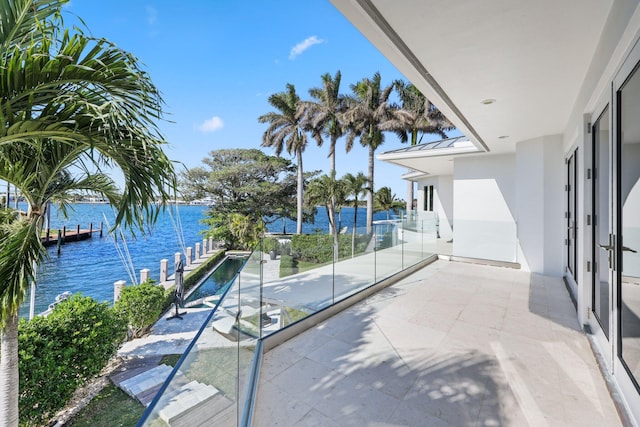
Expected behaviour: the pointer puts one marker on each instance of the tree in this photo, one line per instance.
(356, 186)
(325, 190)
(244, 185)
(73, 109)
(422, 118)
(324, 114)
(387, 201)
(287, 131)
(368, 116)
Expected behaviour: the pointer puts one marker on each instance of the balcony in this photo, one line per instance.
(447, 344)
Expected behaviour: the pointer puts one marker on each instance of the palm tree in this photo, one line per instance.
(72, 108)
(287, 131)
(387, 201)
(354, 186)
(368, 116)
(325, 190)
(423, 117)
(324, 115)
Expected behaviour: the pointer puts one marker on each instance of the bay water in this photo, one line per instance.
(92, 266)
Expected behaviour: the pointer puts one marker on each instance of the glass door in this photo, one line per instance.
(602, 276)
(572, 234)
(627, 221)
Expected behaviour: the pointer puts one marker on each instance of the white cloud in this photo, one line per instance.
(211, 125)
(152, 15)
(304, 45)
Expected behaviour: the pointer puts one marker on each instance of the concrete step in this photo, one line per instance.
(144, 381)
(191, 405)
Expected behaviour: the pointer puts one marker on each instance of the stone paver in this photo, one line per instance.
(452, 345)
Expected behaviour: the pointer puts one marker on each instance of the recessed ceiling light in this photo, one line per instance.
(487, 101)
(503, 137)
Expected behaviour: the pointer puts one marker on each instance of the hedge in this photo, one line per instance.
(140, 306)
(318, 248)
(60, 352)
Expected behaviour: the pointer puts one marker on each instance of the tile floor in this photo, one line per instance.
(453, 345)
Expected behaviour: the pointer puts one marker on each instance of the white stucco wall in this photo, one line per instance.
(484, 201)
(540, 204)
(442, 202)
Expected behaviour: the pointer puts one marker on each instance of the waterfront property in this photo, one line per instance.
(548, 97)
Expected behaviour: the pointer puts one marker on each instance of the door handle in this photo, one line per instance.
(607, 247)
(626, 249)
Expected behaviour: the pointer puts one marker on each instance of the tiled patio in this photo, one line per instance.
(453, 345)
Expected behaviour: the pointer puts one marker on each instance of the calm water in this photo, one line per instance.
(92, 266)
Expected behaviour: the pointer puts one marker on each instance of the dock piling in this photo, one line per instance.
(117, 289)
(189, 256)
(144, 275)
(164, 267)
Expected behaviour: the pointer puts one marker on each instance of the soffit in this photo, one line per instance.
(530, 56)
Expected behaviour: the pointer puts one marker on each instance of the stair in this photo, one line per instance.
(193, 404)
(140, 383)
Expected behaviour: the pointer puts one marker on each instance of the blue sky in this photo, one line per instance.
(217, 62)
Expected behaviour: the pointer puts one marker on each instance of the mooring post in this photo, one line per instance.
(210, 243)
(117, 289)
(177, 257)
(64, 232)
(100, 229)
(164, 267)
(78, 232)
(59, 242)
(144, 275)
(204, 247)
(189, 255)
(48, 235)
(91, 229)
(197, 251)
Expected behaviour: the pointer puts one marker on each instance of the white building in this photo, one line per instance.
(548, 95)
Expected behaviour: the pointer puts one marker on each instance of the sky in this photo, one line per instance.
(217, 61)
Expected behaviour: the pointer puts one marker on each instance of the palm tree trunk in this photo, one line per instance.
(300, 194)
(332, 158)
(332, 155)
(409, 196)
(370, 191)
(9, 372)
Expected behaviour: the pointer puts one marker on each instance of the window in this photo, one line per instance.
(428, 198)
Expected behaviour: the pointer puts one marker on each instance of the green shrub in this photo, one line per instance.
(287, 261)
(59, 352)
(270, 244)
(318, 248)
(140, 306)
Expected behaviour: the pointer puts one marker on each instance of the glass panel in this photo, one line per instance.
(412, 240)
(388, 238)
(602, 217)
(355, 269)
(205, 386)
(571, 217)
(629, 227)
(299, 281)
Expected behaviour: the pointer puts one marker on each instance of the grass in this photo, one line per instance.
(111, 407)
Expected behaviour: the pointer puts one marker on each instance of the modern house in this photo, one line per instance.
(548, 95)
(545, 180)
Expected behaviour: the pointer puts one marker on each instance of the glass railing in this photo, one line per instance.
(286, 279)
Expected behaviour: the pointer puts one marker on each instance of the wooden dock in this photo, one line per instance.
(59, 237)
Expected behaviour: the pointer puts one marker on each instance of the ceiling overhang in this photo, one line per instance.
(502, 71)
(432, 158)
